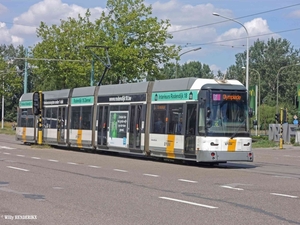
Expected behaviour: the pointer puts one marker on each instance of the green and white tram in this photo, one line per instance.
(202, 120)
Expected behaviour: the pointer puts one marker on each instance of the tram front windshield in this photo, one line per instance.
(227, 113)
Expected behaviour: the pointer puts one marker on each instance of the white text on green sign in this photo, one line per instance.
(82, 100)
(175, 96)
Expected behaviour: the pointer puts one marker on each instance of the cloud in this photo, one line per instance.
(183, 17)
(7, 38)
(50, 12)
(237, 36)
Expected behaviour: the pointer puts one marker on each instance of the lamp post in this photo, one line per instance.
(192, 50)
(2, 109)
(247, 56)
(277, 79)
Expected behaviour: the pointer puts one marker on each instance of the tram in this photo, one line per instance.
(201, 120)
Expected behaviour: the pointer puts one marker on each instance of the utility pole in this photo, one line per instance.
(25, 74)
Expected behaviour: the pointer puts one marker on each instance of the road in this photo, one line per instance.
(55, 186)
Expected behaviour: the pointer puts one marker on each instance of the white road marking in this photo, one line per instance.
(52, 160)
(5, 147)
(150, 175)
(283, 195)
(189, 181)
(124, 171)
(191, 203)
(72, 163)
(94, 166)
(6, 153)
(57, 188)
(285, 177)
(35, 158)
(238, 189)
(16, 168)
(21, 155)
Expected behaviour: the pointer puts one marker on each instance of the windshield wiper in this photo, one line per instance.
(232, 136)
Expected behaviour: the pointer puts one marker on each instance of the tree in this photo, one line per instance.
(195, 69)
(266, 61)
(11, 86)
(136, 41)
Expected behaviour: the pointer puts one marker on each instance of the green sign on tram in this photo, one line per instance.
(174, 96)
(82, 100)
(25, 104)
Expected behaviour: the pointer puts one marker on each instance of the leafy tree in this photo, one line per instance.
(195, 69)
(136, 41)
(11, 86)
(275, 57)
(167, 72)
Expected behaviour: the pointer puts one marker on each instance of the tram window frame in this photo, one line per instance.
(30, 118)
(86, 117)
(158, 111)
(75, 117)
(172, 121)
(191, 119)
(54, 116)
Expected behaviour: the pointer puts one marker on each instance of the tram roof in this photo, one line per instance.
(58, 94)
(118, 89)
(174, 84)
(83, 91)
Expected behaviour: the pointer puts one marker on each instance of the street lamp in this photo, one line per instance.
(277, 78)
(2, 109)
(192, 50)
(247, 56)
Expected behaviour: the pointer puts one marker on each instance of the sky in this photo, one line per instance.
(193, 24)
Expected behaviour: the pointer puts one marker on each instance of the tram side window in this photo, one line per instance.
(86, 117)
(191, 119)
(22, 120)
(158, 119)
(47, 118)
(26, 118)
(75, 117)
(175, 119)
(53, 118)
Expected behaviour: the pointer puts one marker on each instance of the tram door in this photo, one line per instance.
(102, 125)
(61, 119)
(135, 126)
(190, 135)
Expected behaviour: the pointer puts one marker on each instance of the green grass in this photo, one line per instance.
(7, 129)
(262, 143)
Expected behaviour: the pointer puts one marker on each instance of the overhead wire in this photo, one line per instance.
(255, 14)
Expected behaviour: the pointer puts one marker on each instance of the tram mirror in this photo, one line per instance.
(250, 112)
(208, 123)
(208, 112)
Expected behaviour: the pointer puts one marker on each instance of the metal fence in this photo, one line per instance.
(289, 131)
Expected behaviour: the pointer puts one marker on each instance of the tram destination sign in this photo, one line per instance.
(174, 96)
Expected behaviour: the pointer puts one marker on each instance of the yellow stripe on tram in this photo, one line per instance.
(231, 145)
(24, 134)
(79, 138)
(170, 146)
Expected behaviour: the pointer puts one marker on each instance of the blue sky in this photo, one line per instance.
(219, 42)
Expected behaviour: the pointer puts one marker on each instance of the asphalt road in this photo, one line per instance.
(55, 186)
